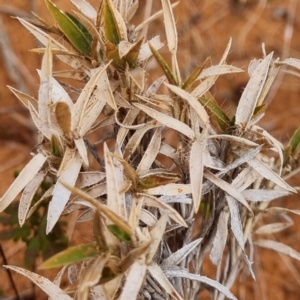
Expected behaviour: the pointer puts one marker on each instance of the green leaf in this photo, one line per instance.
(81, 27)
(220, 115)
(32, 252)
(71, 255)
(259, 110)
(21, 233)
(107, 275)
(119, 233)
(70, 29)
(133, 54)
(164, 66)
(55, 145)
(110, 26)
(193, 77)
(295, 141)
(113, 53)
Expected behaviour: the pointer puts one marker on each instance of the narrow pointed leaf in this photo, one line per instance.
(252, 92)
(259, 195)
(153, 17)
(156, 236)
(61, 195)
(279, 210)
(43, 283)
(145, 52)
(150, 153)
(196, 171)
(133, 256)
(86, 8)
(171, 189)
(25, 176)
(27, 196)
(42, 126)
(129, 119)
(273, 228)
(220, 239)
(113, 197)
(136, 138)
(237, 229)
(134, 281)
(88, 36)
(58, 92)
(177, 257)
(80, 145)
(269, 174)
(46, 195)
(272, 74)
(119, 233)
(44, 39)
(236, 139)
(71, 255)
(170, 26)
(193, 76)
(85, 100)
(294, 141)
(114, 26)
(93, 107)
(229, 189)
(45, 89)
(116, 219)
(235, 221)
(183, 273)
(219, 70)
(155, 202)
(220, 115)
(89, 178)
(69, 28)
(157, 273)
(164, 65)
(167, 120)
(91, 275)
(278, 247)
(25, 99)
(193, 102)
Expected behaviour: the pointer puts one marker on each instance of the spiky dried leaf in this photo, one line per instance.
(160, 277)
(220, 238)
(252, 92)
(167, 120)
(177, 257)
(150, 153)
(278, 247)
(46, 285)
(86, 8)
(60, 194)
(28, 194)
(196, 170)
(25, 176)
(134, 281)
(215, 284)
(273, 228)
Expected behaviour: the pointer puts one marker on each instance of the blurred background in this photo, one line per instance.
(204, 29)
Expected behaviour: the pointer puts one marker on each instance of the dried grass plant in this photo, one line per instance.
(144, 199)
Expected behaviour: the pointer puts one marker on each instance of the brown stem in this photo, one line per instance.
(9, 273)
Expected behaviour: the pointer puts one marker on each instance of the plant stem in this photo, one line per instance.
(9, 274)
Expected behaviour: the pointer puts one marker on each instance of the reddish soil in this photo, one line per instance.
(204, 30)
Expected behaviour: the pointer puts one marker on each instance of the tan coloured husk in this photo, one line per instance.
(142, 207)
